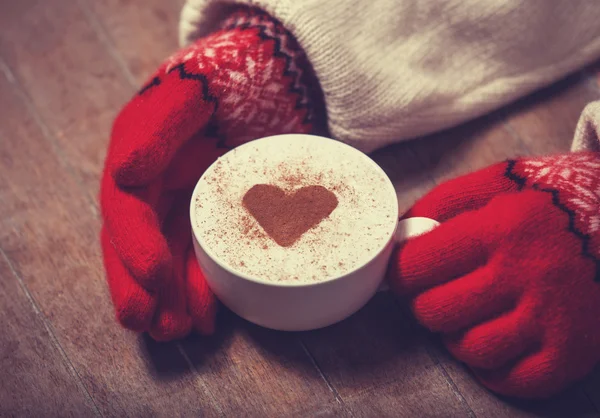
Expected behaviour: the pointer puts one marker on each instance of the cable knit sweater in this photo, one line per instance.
(392, 70)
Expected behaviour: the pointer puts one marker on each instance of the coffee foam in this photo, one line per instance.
(356, 231)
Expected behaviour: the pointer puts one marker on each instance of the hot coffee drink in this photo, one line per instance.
(294, 209)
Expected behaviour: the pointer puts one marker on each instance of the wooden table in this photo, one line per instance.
(66, 67)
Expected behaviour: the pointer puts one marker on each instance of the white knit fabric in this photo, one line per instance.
(392, 70)
(587, 133)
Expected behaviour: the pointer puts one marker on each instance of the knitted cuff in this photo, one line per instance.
(305, 84)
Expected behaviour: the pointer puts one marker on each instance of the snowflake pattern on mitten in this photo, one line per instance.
(258, 104)
(574, 181)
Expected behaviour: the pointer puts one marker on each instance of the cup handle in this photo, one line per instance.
(409, 228)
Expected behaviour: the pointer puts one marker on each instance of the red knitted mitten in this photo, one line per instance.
(240, 83)
(511, 277)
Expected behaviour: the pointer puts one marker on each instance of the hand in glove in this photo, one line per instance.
(511, 277)
(242, 82)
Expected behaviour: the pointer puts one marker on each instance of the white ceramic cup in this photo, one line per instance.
(301, 306)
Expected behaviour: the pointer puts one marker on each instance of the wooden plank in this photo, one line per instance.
(36, 380)
(546, 120)
(379, 366)
(572, 402)
(260, 372)
(469, 147)
(66, 71)
(142, 35)
(49, 232)
(591, 387)
(409, 175)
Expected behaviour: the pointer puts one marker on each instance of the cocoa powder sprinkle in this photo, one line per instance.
(286, 217)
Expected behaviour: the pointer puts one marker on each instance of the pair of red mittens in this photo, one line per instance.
(511, 277)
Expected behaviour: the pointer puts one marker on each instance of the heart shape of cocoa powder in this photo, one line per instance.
(286, 217)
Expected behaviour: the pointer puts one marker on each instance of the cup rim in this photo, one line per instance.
(232, 271)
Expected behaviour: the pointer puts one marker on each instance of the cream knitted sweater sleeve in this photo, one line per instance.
(392, 70)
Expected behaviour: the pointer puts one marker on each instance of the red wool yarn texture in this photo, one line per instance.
(245, 81)
(511, 277)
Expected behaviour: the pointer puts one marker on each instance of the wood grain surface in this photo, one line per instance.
(66, 68)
